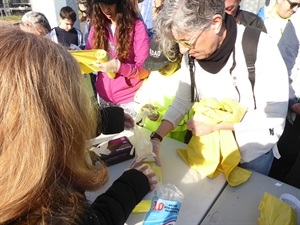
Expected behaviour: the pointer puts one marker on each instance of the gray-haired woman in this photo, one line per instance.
(211, 42)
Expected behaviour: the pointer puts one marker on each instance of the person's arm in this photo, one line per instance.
(115, 205)
(179, 107)
(289, 48)
(182, 101)
(80, 37)
(200, 128)
(141, 45)
(164, 128)
(260, 128)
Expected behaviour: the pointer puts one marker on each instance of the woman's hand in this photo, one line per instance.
(151, 111)
(146, 169)
(156, 150)
(200, 128)
(110, 66)
(296, 108)
(128, 121)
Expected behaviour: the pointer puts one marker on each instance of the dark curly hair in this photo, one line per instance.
(126, 16)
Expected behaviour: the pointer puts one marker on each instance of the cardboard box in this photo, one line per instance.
(119, 150)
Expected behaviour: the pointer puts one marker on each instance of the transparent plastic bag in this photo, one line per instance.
(143, 146)
(165, 205)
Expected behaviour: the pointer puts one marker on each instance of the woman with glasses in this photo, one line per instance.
(276, 16)
(84, 8)
(214, 67)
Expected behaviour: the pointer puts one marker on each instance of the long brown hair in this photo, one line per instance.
(126, 16)
(45, 120)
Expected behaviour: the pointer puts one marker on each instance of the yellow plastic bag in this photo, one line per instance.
(87, 58)
(273, 211)
(218, 151)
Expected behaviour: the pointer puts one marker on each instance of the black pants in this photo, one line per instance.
(286, 168)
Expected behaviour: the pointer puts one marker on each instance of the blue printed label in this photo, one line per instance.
(162, 212)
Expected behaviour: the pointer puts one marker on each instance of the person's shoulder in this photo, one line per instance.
(54, 30)
(139, 22)
(78, 31)
(251, 14)
(140, 26)
(263, 39)
(247, 18)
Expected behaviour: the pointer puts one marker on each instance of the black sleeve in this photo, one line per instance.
(115, 205)
(111, 120)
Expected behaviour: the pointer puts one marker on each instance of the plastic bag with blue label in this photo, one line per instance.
(165, 206)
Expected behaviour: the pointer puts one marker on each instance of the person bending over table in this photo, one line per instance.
(211, 42)
(46, 120)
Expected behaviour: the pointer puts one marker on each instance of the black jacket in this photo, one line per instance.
(115, 205)
(250, 19)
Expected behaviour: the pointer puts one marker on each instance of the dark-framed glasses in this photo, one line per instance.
(189, 44)
(293, 4)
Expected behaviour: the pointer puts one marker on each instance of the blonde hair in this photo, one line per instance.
(45, 120)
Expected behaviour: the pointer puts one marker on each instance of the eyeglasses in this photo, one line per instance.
(82, 11)
(189, 44)
(293, 4)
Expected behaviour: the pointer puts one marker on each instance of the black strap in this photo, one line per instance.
(194, 94)
(249, 43)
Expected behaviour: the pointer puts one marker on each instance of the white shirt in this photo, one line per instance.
(260, 129)
(146, 12)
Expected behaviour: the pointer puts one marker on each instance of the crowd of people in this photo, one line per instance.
(195, 47)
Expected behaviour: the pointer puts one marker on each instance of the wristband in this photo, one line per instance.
(156, 135)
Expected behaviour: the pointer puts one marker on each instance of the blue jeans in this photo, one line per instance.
(261, 164)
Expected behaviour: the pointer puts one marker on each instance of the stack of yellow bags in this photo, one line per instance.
(218, 151)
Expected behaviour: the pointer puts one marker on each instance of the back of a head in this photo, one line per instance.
(67, 13)
(35, 22)
(45, 120)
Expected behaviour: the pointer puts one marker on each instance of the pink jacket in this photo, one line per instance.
(130, 76)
